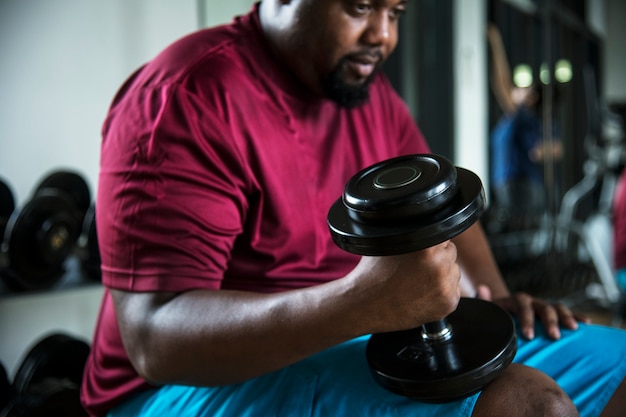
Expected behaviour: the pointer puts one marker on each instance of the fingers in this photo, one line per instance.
(412, 288)
(552, 316)
(525, 314)
(483, 292)
(567, 318)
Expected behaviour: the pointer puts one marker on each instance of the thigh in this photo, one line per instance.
(588, 364)
(334, 382)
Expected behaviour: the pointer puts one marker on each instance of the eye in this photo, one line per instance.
(396, 12)
(361, 7)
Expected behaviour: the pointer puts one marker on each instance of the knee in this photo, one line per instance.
(523, 391)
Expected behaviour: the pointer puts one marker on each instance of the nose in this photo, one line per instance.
(378, 29)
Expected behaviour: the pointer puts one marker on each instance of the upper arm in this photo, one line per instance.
(501, 78)
(135, 314)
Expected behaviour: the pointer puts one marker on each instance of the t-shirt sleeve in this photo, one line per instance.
(170, 194)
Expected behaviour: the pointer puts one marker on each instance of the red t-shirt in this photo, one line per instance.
(217, 171)
(619, 224)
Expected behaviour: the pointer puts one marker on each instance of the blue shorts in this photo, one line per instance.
(337, 382)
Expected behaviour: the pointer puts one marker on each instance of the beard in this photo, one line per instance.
(344, 94)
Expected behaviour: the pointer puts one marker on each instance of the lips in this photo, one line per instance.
(363, 65)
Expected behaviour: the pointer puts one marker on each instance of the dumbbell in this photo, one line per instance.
(72, 185)
(53, 356)
(6, 391)
(89, 251)
(48, 380)
(7, 205)
(40, 236)
(77, 189)
(407, 204)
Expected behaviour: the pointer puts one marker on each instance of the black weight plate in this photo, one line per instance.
(482, 345)
(398, 188)
(409, 235)
(40, 236)
(5, 387)
(58, 356)
(7, 205)
(71, 183)
(91, 260)
(48, 398)
(7, 202)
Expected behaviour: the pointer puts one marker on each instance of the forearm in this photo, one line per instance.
(224, 337)
(501, 73)
(477, 262)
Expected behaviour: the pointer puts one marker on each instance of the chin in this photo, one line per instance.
(347, 95)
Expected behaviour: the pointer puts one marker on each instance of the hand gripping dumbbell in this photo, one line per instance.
(407, 204)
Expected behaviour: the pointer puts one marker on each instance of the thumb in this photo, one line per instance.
(483, 293)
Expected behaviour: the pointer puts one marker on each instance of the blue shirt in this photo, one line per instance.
(512, 139)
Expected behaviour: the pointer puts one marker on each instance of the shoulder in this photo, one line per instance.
(203, 56)
(208, 64)
(208, 55)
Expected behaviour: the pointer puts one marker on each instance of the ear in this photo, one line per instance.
(277, 13)
(275, 5)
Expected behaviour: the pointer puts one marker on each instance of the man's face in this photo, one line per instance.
(336, 46)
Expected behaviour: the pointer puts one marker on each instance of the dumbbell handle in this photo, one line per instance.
(437, 331)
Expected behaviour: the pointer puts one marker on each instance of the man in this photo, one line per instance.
(225, 293)
(517, 148)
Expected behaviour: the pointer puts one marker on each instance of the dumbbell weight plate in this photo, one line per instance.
(483, 345)
(399, 188)
(48, 380)
(7, 202)
(6, 392)
(7, 206)
(71, 183)
(55, 356)
(39, 238)
(91, 257)
(410, 234)
(51, 397)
